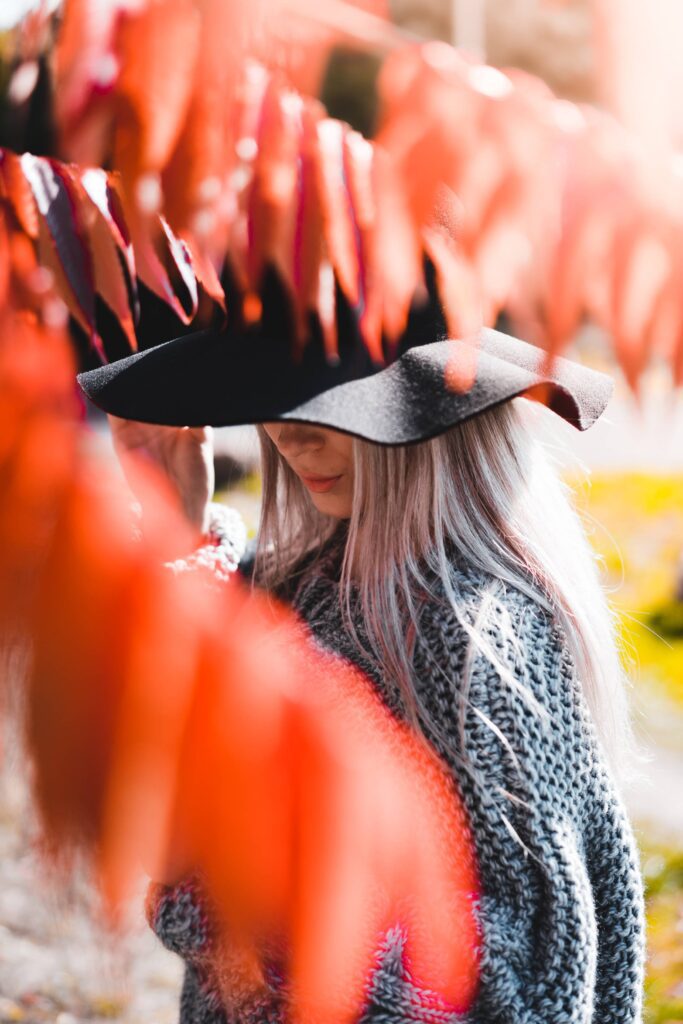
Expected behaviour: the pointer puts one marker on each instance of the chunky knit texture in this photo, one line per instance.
(561, 908)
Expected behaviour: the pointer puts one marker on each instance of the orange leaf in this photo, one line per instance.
(157, 47)
(310, 272)
(62, 244)
(642, 267)
(16, 190)
(204, 270)
(273, 194)
(85, 70)
(111, 261)
(359, 171)
(164, 264)
(337, 215)
(203, 157)
(398, 250)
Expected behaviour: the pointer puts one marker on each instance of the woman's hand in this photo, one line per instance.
(184, 453)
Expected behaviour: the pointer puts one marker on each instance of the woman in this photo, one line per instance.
(453, 571)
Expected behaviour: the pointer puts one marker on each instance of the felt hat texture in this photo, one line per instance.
(250, 373)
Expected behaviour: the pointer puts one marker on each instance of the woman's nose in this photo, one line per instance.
(293, 439)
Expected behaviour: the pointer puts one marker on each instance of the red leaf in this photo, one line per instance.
(359, 174)
(309, 249)
(62, 244)
(338, 224)
(85, 72)
(273, 194)
(203, 157)
(115, 284)
(641, 269)
(203, 269)
(157, 46)
(164, 265)
(16, 190)
(398, 249)
(37, 410)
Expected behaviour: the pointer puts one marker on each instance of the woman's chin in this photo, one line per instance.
(336, 505)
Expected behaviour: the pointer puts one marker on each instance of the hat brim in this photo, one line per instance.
(218, 379)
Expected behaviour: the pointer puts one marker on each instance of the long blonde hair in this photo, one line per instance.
(487, 489)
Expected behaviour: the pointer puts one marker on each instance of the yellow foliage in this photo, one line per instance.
(635, 524)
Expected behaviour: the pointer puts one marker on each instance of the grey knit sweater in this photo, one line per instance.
(561, 907)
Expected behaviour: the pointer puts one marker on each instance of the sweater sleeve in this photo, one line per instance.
(561, 905)
(613, 867)
(222, 548)
(184, 920)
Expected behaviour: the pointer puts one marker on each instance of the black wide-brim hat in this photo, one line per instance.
(246, 373)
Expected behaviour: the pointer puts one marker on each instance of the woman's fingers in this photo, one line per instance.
(185, 454)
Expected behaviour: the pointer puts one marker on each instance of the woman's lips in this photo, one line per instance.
(320, 484)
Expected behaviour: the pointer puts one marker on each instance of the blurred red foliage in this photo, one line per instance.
(176, 723)
(147, 688)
